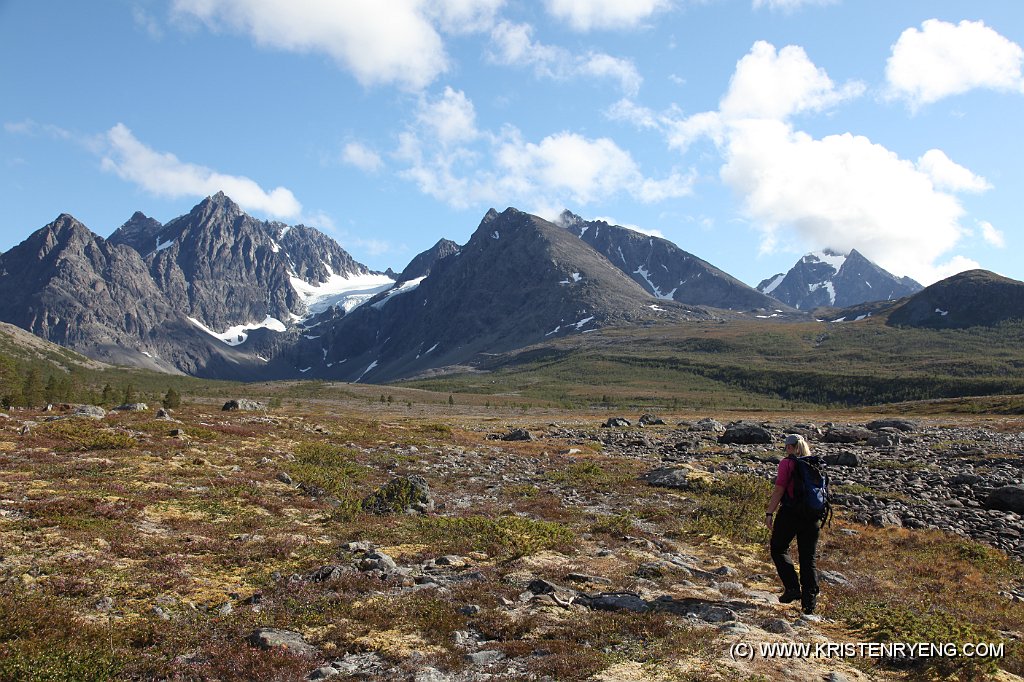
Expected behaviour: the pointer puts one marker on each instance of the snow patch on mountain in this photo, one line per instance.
(771, 286)
(403, 288)
(348, 292)
(238, 334)
(829, 257)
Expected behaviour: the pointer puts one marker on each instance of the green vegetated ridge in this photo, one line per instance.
(756, 364)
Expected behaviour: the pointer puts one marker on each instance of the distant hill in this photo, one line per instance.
(968, 299)
(829, 278)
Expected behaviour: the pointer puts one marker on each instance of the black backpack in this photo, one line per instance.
(812, 494)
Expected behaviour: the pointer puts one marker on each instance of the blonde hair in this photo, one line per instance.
(801, 444)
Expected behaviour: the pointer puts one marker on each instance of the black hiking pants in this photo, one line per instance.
(790, 524)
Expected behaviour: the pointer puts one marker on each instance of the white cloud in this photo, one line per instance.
(583, 169)
(464, 16)
(585, 15)
(163, 174)
(501, 168)
(452, 118)
(946, 174)
(840, 191)
(362, 157)
(32, 128)
(944, 59)
(951, 267)
(789, 5)
(991, 235)
(630, 226)
(378, 42)
(770, 84)
(513, 45)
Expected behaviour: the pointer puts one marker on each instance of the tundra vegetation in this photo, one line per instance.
(141, 547)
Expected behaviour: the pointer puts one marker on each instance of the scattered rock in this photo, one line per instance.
(517, 435)
(651, 420)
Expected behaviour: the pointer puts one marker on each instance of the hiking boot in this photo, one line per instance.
(809, 603)
(789, 596)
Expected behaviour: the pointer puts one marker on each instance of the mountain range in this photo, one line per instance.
(220, 294)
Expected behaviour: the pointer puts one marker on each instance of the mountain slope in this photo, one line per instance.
(518, 280)
(663, 269)
(829, 278)
(968, 299)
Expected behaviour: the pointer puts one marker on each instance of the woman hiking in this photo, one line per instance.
(786, 520)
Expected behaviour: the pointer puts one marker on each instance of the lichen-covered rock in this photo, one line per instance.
(406, 494)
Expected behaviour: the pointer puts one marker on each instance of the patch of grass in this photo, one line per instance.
(331, 468)
(504, 538)
(85, 434)
(42, 639)
(931, 587)
(731, 507)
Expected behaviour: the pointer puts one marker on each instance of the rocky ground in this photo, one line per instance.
(392, 542)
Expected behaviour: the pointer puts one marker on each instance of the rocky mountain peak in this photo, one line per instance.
(140, 232)
(423, 263)
(830, 277)
(663, 269)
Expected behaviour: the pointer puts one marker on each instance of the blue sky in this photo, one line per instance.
(748, 132)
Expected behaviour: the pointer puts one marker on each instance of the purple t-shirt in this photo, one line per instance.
(785, 475)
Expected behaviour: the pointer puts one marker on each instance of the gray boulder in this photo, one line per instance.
(670, 477)
(898, 424)
(1007, 498)
(89, 412)
(651, 420)
(708, 424)
(132, 407)
(615, 422)
(243, 405)
(276, 638)
(517, 435)
(742, 433)
(843, 459)
(847, 434)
